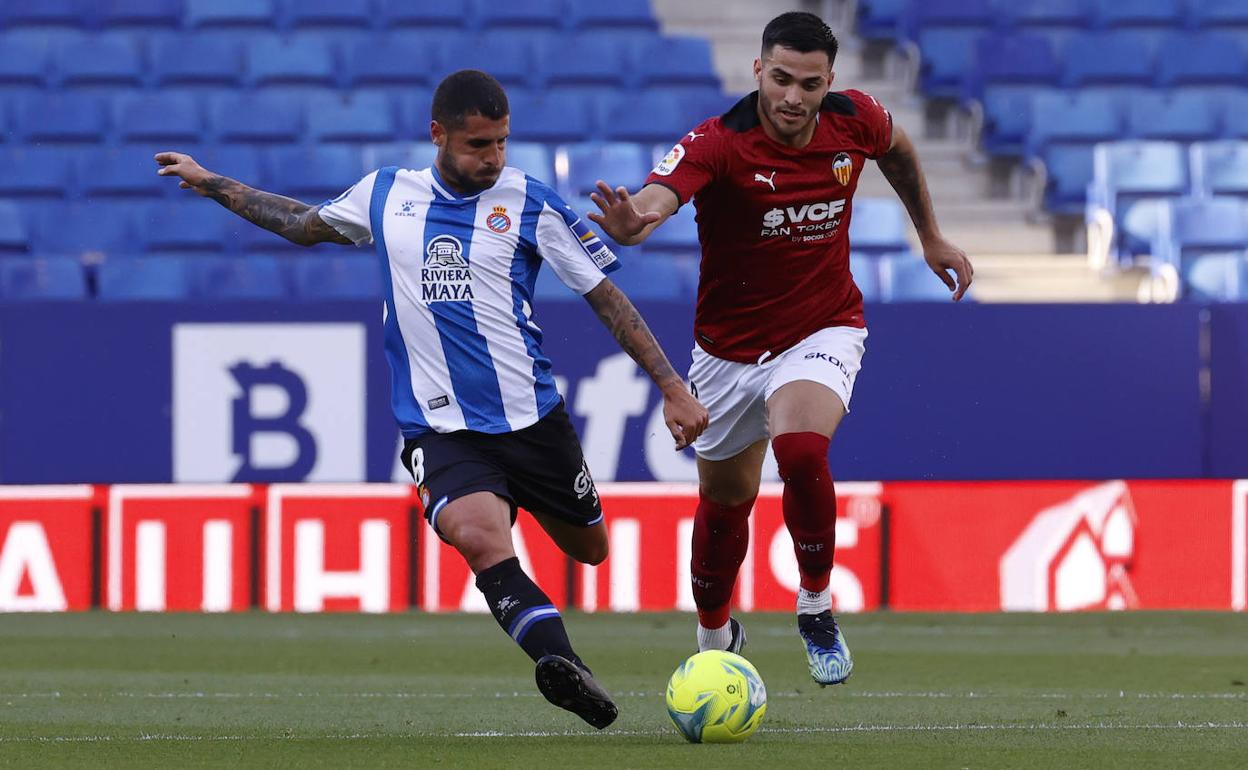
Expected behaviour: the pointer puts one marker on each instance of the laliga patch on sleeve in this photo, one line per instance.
(670, 161)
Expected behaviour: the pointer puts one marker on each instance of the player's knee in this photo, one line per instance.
(730, 495)
(480, 545)
(801, 455)
(594, 554)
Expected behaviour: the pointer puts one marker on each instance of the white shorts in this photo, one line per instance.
(736, 394)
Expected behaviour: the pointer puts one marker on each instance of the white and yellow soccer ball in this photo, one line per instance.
(716, 697)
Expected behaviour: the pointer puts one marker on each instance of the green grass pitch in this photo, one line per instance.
(959, 691)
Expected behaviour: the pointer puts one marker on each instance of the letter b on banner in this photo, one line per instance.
(249, 425)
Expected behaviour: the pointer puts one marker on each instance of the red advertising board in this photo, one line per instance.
(181, 547)
(46, 562)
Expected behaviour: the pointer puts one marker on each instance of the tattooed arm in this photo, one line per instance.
(295, 221)
(685, 417)
(901, 168)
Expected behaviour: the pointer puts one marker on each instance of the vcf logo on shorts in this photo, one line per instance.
(268, 402)
(736, 394)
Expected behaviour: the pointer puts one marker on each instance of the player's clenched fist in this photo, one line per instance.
(685, 416)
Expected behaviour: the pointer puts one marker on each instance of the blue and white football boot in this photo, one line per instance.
(826, 652)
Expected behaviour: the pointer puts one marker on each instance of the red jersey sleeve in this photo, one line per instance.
(694, 162)
(877, 123)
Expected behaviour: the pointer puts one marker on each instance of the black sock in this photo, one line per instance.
(524, 611)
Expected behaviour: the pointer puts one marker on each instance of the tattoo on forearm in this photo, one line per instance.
(901, 169)
(630, 330)
(293, 220)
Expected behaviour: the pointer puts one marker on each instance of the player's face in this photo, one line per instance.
(471, 157)
(791, 86)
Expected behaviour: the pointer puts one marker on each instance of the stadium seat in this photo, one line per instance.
(240, 117)
(60, 118)
(1177, 115)
(42, 279)
(1216, 277)
(878, 226)
(616, 163)
(139, 15)
(1075, 118)
(425, 15)
(1014, 60)
(156, 279)
(1047, 15)
(390, 60)
(253, 277)
(120, 172)
(235, 15)
(14, 238)
(946, 59)
(363, 118)
(412, 155)
(89, 231)
(645, 277)
(235, 161)
(881, 19)
(1007, 115)
(192, 60)
(333, 14)
(1202, 225)
(617, 14)
(907, 278)
(44, 13)
(601, 59)
(23, 61)
(31, 171)
(533, 158)
(1139, 13)
(866, 272)
(525, 15)
(1126, 178)
(1220, 168)
(290, 62)
(1215, 14)
(159, 117)
(651, 117)
(325, 277)
(1206, 59)
(1107, 59)
(98, 60)
(678, 235)
(552, 117)
(508, 58)
(952, 13)
(316, 174)
(1068, 170)
(1235, 115)
(677, 61)
(187, 226)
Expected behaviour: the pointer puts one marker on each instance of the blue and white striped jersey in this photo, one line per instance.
(458, 273)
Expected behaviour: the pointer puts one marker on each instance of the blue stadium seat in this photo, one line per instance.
(878, 226)
(866, 272)
(425, 15)
(413, 155)
(235, 161)
(650, 117)
(616, 163)
(90, 231)
(290, 62)
(390, 60)
(946, 59)
(23, 60)
(677, 61)
(60, 118)
(255, 277)
(1215, 14)
(1047, 15)
(316, 174)
(1235, 115)
(31, 171)
(616, 15)
(548, 287)
(1128, 176)
(952, 13)
(533, 158)
(526, 15)
(1221, 168)
(1007, 112)
(881, 19)
(363, 118)
(239, 117)
(333, 14)
(508, 58)
(192, 60)
(98, 60)
(159, 117)
(1178, 115)
(44, 13)
(157, 279)
(1068, 169)
(1139, 13)
(1107, 59)
(1216, 277)
(1014, 60)
(236, 15)
(415, 111)
(1200, 226)
(600, 59)
(120, 172)
(645, 277)
(42, 279)
(1202, 59)
(186, 226)
(552, 117)
(138, 14)
(1075, 118)
(678, 235)
(907, 278)
(14, 237)
(325, 277)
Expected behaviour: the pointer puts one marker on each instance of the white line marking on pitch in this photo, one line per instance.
(971, 695)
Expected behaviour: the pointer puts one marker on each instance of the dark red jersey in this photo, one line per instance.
(773, 221)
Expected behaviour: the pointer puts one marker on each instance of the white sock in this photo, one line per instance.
(714, 638)
(813, 602)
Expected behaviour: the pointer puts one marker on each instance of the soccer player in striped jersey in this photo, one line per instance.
(459, 246)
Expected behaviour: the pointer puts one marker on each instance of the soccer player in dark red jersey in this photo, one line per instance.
(779, 328)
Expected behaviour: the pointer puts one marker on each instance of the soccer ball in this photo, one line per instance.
(716, 697)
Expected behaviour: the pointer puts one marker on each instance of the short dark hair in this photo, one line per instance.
(465, 93)
(801, 31)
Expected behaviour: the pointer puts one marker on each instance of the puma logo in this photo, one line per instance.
(768, 180)
(694, 135)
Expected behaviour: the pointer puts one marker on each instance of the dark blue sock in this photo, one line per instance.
(524, 611)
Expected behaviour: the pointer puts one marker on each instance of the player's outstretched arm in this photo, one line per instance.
(901, 168)
(629, 219)
(295, 221)
(685, 417)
